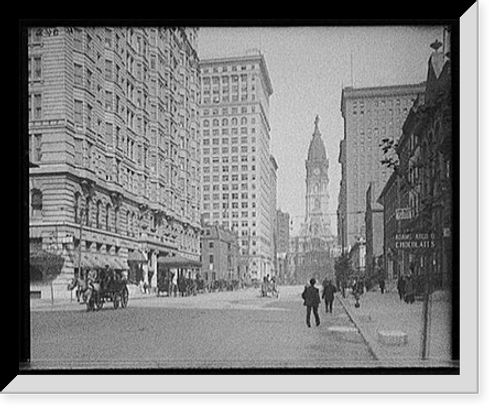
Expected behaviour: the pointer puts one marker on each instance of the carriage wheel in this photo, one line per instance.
(116, 300)
(124, 297)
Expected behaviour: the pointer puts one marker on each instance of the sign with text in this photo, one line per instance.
(403, 213)
(414, 241)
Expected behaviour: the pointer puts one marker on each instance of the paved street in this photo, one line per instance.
(227, 329)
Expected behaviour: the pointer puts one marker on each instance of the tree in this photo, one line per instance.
(343, 268)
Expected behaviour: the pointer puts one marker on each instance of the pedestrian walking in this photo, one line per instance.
(401, 287)
(381, 283)
(410, 285)
(328, 295)
(312, 302)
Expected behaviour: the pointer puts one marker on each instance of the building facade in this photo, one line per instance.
(370, 115)
(313, 249)
(220, 259)
(422, 185)
(114, 133)
(283, 246)
(238, 174)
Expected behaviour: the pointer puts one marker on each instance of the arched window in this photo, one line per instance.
(98, 214)
(108, 217)
(88, 211)
(117, 219)
(234, 121)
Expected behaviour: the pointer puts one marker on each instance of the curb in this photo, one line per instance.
(371, 344)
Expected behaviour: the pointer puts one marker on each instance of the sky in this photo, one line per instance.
(308, 67)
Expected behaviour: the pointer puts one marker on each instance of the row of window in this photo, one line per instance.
(225, 68)
(225, 169)
(225, 110)
(225, 177)
(216, 122)
(226, 98)
(225, 141)
(225, 150)
(225, 159)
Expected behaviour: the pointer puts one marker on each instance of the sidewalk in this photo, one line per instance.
(385, 315)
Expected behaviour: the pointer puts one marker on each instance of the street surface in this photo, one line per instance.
(213, 330)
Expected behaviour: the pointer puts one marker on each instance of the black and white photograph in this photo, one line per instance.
(242, 199)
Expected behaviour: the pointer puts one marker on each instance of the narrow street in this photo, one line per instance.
(215, 330)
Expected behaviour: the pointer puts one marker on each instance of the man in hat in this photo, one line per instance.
(312, 301)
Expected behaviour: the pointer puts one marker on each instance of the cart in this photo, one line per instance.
(110, 290)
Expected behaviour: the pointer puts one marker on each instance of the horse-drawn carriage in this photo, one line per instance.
(96, 288)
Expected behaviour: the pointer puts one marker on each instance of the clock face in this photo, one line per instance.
(316, 171)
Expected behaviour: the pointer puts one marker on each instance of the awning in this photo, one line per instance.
(178, 262)
(87, 261)
(118, 263)
(136, 256)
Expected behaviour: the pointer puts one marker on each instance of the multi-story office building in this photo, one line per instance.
(237, 169)
(113, 129)
(370, 115)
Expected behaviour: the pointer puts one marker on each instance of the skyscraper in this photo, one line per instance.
(237, 168)
(113, 128)
(370, 114)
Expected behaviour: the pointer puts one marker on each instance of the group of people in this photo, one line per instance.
(312, 299)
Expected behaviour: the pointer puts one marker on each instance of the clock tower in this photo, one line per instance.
(317, 218)
(312, 250)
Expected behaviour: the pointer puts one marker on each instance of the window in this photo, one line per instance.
(78, 39)
(78, 112)
(37, 64)
(36, 202)
(36, 147)
(98, 214)
(38, 106)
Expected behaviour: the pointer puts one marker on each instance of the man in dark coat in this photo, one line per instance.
(328, 294)
(312, 302)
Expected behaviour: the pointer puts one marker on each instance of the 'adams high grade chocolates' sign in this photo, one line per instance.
(414, 241)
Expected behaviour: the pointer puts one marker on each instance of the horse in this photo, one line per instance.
(87, 288)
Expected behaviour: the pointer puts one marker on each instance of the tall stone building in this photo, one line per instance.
(238, 173)
(313, 249)
(370, 115)
(114, 133)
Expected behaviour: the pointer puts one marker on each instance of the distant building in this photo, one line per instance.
(370, 114)
(237, 171)
(220, 259)
(312, 250)
(283, 246)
